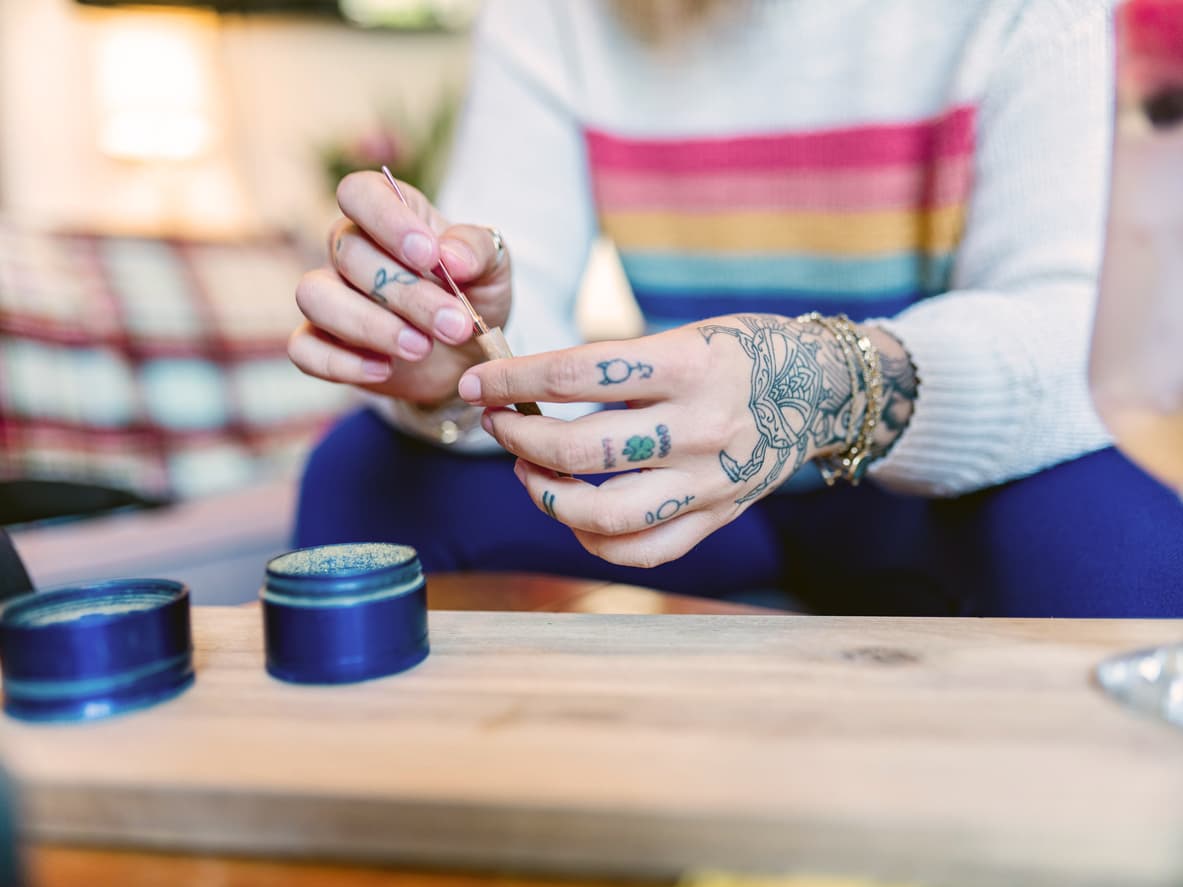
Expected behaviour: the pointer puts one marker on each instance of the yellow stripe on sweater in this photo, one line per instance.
(839, 234)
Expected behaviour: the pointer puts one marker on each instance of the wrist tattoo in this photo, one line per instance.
(399, 275)
(617, 370)
(666, 510)
(548, 503)
(900, 388)
(609, 453)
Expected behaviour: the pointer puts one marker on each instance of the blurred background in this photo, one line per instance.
(185, 120)
(167, 173)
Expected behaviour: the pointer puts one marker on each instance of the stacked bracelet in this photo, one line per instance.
(862, 357)
(850, 355)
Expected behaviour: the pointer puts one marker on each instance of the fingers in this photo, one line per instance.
(335, 308)
(653, 368)
(470, 253)
(408, 233)
(652, 547)
(318, 355)
(622, 505)
(616, 440)
(418, 300)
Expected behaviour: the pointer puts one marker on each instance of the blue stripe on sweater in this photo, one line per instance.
(871, 278)
(664, 309)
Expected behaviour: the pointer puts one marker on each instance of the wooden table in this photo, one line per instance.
(926, 751)
(60, 866)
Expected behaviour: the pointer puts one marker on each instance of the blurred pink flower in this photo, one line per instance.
(377, 147)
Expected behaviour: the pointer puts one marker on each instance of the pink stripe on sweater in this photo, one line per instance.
(951, 135)
(946, 183)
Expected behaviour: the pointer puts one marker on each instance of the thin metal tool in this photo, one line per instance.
(490, 339)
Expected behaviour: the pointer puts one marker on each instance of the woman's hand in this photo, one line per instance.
(376, 317)
(720, 413)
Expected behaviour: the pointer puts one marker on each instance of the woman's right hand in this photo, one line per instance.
(376, 317)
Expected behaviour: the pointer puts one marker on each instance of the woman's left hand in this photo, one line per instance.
(720, 412)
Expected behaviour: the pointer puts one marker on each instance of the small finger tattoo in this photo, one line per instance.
(609, 453)
(638, 448)
(548, 502)
(382, 277)
(663, 435)
(617, 370)
(666, 510)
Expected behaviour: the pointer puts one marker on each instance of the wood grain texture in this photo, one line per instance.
(929, 750)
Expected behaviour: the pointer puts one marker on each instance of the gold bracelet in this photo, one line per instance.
(852, 365)
(851, 464)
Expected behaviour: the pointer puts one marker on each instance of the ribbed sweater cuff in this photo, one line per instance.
(966, 423)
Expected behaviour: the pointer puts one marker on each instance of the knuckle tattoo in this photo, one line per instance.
(618, 370)
(663, 436)
(638, 448)
(666, 510)
(385, 277)
(609, 453)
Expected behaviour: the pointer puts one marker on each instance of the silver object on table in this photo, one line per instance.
(1147, 681)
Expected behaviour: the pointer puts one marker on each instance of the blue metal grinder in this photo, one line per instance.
(89, 651)
(336, 614)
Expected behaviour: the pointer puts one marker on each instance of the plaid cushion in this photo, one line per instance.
(157, 366)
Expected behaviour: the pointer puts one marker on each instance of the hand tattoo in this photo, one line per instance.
(666, 510)
(638, 448)
(800, 392)
(609, 453)
(785, 391)
(663, 435)
(382, 277)
(548, 502)
(617, 370)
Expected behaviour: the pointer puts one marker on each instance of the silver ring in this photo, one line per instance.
(498, 243)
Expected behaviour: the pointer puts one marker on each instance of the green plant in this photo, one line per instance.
(416, 154)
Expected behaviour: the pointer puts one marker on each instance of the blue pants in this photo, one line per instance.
(1092, 537)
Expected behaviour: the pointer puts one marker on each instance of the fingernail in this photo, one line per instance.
(417, 249)
(519, 469)
(412, 344)
(470, 388)
(461, 259)
(487, 422)
(375, 370)
(451, 324)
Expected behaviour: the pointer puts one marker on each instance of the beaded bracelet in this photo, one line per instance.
(851, 463)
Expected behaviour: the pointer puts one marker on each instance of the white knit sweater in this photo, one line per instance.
(1000, 346)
